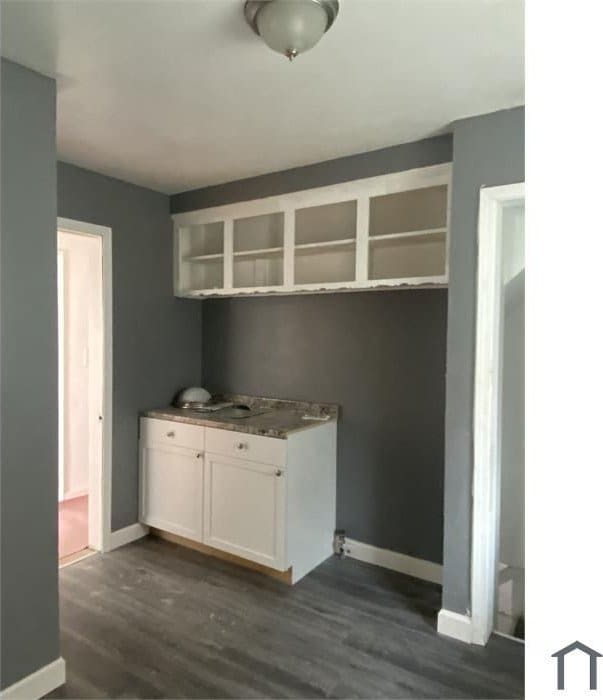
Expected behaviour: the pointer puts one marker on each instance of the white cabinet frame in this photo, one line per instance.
(359, 190)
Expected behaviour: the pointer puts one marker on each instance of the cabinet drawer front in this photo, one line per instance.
(244, 509)
(254, 448)
(154, 431)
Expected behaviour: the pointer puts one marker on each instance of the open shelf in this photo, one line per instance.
(258, 272)
(325, 224)
(416, 255)
(259, 268)
(258, 233)
(325, 263)
(202, 241)
(203, 274)
(408, 211)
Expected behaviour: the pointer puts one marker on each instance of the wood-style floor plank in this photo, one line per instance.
(154, 620)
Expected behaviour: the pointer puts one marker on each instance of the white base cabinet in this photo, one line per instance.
(266, 500)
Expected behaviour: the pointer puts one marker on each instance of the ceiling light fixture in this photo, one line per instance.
(291, 26)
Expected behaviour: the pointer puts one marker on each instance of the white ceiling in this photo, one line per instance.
(178, 94)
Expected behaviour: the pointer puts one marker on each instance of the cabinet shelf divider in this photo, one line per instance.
(204, 258)
(408, 234)
(326, 244)
(258, 252)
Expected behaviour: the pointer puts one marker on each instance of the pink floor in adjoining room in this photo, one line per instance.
(73, 526)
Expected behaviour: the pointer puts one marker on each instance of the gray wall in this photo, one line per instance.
(488, 151)
(381, 357)
(28, 397)
(156, 337)
(386, 160)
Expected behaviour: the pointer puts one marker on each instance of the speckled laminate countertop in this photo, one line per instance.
(278, 418)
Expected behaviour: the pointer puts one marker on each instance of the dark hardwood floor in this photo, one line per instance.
(153, 620)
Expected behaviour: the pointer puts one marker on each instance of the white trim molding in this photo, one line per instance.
(455, 625)
(487, 408)
(100, 484)
(386, 558)
(38, 683)
(128, 534)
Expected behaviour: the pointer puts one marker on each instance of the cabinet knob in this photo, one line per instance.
(198, 455)
(279, 472)
(171, 434)
(241, 445)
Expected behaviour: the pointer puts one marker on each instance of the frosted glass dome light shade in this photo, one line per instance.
(291, 27)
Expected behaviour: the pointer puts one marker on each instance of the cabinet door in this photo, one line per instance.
(244, 509)
(171, 489)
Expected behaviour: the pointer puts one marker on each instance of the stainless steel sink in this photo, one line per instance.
(239, 412)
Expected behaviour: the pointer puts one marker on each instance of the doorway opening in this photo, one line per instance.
(498, 566)
(84, 344)
(510, 609)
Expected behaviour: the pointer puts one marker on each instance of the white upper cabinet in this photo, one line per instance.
(380, 232)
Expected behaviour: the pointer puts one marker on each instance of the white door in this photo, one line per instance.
(171, 490)
(244, 509)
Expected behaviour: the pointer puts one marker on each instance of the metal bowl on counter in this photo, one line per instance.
(192, 405)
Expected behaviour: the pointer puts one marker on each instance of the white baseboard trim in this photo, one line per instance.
(455, 625)
(128, 534)
(509, 636)
(38, 683)
(411, 566)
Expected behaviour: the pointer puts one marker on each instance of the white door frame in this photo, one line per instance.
(486, 408)
(100, 483)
